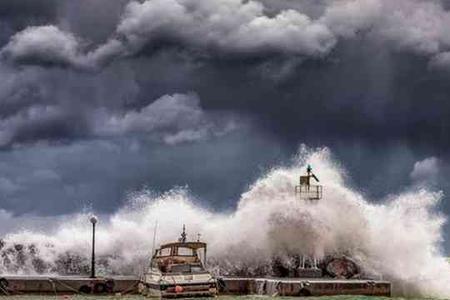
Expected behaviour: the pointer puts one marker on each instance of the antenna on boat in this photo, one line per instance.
(198, 237)
(182, 239)
(154, 236)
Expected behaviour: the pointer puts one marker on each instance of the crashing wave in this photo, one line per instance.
(398, 239)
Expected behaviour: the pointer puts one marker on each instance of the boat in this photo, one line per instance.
(178, 270)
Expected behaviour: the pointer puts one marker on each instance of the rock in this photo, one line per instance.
(341, 267)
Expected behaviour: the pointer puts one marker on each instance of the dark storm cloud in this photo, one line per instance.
(246, 28)
(209, 94)
(20, 13)
(172, 119)
(370, 67)
(346, 62)
(175, 118)
(225, 26)
(94, 20)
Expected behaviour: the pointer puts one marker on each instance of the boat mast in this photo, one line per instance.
(183, 237)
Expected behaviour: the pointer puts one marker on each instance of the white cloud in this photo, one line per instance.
(49, 45)
(44, 44)
(348, 18)
(425, 171)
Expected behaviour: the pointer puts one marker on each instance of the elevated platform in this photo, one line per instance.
(302, 287)
(307, 191)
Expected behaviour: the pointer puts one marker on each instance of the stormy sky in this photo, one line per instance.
(100, 98)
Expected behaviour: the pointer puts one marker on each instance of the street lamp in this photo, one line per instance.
(93, 220)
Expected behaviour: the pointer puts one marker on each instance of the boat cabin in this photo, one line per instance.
(178, 270)
(180, 257)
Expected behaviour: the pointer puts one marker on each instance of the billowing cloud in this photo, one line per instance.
(413, 26)
(358, 36)
(236, 27)
(349, 18)
(31, 122)
(425, 171)
(43, 45)
(175, 118)
(50, 46)
(226, 26)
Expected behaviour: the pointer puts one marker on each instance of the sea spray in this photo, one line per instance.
(398, 239)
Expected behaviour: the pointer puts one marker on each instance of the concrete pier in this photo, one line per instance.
(302, 287)
(12, 285)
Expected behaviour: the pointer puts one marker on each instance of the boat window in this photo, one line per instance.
(185, 268)
(164, 252)
(184, 251)
(153, 263)
(195, 269)
(200, 254)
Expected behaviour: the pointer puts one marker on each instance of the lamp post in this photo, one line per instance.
(93, 220)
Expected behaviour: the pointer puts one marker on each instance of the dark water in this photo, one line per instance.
(135, 297)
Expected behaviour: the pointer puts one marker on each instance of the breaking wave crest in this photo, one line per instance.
(398, 239)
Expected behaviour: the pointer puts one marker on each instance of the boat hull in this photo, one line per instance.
(179, 286)
(183, 290)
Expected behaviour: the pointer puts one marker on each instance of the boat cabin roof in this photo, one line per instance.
(192, 245)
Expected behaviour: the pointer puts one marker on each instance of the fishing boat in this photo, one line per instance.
(178, 270)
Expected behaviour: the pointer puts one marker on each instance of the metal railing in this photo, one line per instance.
(309, 192)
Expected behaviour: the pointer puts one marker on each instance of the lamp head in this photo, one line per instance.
(93, 219)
